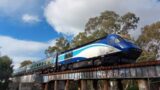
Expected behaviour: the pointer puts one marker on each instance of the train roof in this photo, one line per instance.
(84, 44)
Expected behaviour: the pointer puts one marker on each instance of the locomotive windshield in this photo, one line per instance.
(118, 39)
(114, 40)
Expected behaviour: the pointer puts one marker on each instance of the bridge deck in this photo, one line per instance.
(128, 71)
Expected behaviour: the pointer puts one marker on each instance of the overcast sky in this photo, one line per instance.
(28, 27)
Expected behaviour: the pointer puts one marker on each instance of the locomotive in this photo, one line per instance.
(109, 50)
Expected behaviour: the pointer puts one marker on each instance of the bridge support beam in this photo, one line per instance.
(142, 85)
(67, 85)
(20, 86)
(61, 85)
(106, 85)
(82, 85)
(55, 85)
(46, 86)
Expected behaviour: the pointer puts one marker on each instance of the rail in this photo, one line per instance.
(150, 69)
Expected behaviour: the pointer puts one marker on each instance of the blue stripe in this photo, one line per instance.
(72, 60)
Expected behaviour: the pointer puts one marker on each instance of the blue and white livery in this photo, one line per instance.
(111, 49)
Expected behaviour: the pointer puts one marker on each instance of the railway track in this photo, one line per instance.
(101, 68)
(140, 70)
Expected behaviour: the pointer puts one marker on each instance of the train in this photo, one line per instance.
(109, 50)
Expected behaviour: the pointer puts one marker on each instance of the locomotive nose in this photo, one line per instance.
(131, 51)
(134, 53)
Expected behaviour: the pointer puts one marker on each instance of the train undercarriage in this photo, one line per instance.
(107, 60)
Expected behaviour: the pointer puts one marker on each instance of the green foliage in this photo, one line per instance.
(80, 39)
(128, 22)
(25, 63)
(149, 33)
(149, 41)
(111, 22)
(147, 56)
(107, 22)
(6, 70)
(61, 45)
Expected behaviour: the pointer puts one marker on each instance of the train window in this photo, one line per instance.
(117, 40)
(114, 40)
(68, 55)
(111, 40)
(120, 38)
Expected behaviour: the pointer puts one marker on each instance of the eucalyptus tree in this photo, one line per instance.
(149, 41)
(25, 63)
(61, 44)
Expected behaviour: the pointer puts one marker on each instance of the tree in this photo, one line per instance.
(61, 45)
(25, 63)
(6, 70)
(80, 39)
(108, 22)
(128, 22)
(149, 41)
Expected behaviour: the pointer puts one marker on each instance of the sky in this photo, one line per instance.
(28, 27)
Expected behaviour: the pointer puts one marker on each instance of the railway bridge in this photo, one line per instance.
(112, 78)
